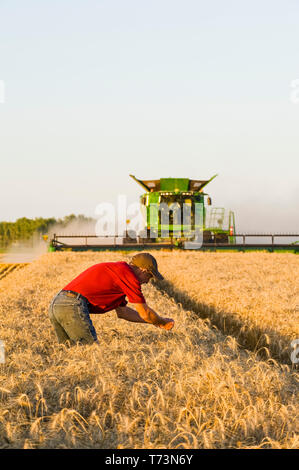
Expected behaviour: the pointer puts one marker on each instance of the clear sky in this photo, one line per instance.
(98, 89)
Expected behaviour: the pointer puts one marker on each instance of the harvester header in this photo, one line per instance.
(173, 211)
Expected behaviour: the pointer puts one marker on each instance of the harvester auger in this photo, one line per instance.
(174, 209)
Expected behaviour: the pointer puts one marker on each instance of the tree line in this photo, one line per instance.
(25, 229)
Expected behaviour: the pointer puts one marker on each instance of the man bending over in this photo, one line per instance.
(99, 289)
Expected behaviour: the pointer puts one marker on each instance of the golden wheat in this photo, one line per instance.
(192, 387)
(253, 296)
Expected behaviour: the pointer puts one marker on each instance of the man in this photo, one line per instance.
(99, 289)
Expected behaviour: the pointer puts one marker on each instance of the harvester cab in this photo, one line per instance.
(175, 207)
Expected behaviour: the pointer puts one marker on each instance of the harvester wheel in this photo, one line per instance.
(130, 236)
(221, 237)
(144, 237)
(207, 237)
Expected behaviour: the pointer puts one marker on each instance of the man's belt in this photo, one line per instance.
(71, 293)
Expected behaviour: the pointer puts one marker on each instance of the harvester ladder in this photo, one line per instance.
(232, 228)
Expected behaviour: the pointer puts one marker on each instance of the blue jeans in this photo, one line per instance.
(70, 318)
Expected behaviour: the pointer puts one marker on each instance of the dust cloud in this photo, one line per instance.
(26, 251)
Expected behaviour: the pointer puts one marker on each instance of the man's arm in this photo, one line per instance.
(144, 314)
(129, 314)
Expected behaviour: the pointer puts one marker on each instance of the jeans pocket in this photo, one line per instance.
(63, 312)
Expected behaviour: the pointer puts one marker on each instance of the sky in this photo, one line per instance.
(96, 90)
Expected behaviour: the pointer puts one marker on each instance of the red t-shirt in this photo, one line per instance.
(105, 285)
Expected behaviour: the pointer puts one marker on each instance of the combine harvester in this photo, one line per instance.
(170, 196)
(164, 205)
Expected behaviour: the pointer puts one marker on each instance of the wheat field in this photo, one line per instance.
(254, 296)
(191, 387)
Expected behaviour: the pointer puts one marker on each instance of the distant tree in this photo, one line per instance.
(24, 228)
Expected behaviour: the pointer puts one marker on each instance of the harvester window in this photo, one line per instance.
(185, 217)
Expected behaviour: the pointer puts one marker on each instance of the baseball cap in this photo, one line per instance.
(148, 262)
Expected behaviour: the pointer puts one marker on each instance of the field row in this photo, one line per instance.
(7, 268)
(252, 296)
(191, 387)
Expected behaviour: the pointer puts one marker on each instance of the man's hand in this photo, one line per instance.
(150, 316)
(167, 325)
